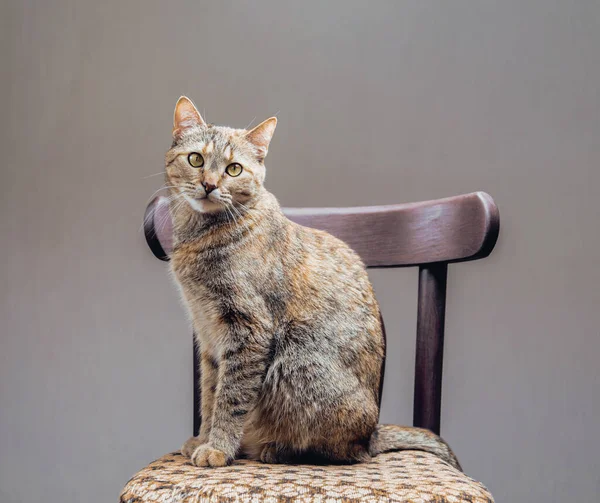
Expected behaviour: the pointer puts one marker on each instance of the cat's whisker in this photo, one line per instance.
(155, 174)
(238, 210)
(151, 215)
(160, 225)
(250, 123)
(233, 216)
(225, 215)
(172, 211)
(155, 222)
(180, 198)
(188, 202)
(229, 214)
(225, 201)
(164, 187)
(241, 218)
(243, 206)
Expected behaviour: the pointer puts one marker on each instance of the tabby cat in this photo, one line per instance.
(286, 319)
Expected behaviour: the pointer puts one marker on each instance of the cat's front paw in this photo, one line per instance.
(207, 455)
(191, 444)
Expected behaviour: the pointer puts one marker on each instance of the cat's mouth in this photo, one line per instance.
(204, 203)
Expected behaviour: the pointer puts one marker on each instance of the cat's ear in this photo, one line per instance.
(261, 136)
(185, 117)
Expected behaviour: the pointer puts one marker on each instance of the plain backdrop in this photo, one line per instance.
(378, 102)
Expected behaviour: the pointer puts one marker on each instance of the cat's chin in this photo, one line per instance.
(204, 205)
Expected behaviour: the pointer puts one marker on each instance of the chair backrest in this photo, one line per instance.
(428, 234)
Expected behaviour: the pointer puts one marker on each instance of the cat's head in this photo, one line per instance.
(213, 167)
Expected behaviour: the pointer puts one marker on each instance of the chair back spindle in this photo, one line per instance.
(431, 312)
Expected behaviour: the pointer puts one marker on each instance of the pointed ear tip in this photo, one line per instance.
(270, 123)
(183, 100)
(184, 103)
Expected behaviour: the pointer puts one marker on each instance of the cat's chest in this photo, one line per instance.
(209, 280)
(208, 290)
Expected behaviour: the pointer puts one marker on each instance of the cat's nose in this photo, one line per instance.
(208, 187)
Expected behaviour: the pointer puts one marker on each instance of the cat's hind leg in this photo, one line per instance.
(274, 453)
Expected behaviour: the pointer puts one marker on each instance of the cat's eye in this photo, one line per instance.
(196, 160)
(234, 169)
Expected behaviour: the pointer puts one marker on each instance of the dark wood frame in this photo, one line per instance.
(429, 235)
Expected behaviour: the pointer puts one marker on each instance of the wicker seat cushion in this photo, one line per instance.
(408, 476)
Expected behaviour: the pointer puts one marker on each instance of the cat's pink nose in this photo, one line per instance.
(208, 187)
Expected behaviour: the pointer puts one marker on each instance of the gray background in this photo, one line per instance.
(380, 103)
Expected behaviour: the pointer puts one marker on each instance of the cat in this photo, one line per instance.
(286, 319)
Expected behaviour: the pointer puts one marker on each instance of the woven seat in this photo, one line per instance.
(399, 477)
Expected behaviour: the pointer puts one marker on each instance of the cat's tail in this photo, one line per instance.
(389, 437)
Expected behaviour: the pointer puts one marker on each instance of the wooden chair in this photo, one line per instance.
(428, 235)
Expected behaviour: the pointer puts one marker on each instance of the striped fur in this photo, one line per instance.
(287, 321)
